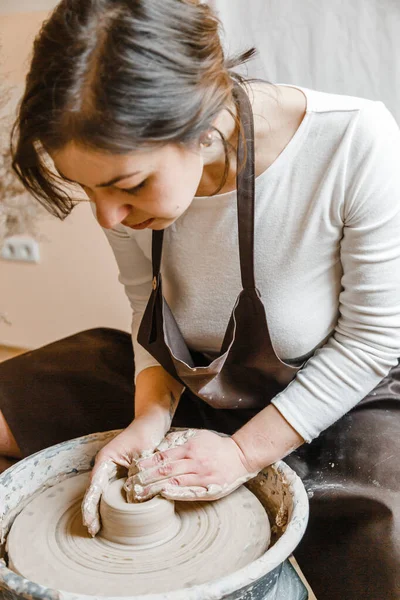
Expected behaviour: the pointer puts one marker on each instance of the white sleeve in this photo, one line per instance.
(135, 274)
(366, 340)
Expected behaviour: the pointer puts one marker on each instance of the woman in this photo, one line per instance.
(282, 327)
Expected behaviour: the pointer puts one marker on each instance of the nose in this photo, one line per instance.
(110, 213)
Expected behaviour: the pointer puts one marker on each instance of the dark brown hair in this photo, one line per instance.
(116, 75)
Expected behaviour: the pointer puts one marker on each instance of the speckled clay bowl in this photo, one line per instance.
(278, 488)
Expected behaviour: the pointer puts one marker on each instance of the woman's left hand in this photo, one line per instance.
(196, 464)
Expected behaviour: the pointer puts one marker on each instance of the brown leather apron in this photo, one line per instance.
(247, 370)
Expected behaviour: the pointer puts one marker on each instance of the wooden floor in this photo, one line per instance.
(7, 352)
(311, 595)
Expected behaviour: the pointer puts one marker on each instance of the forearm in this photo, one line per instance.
(266, 438)
(157, 396)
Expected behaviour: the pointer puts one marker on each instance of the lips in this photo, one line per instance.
(142, 225)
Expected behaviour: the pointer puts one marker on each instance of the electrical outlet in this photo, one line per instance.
(20, 248)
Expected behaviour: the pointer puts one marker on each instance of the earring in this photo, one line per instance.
(206, 139)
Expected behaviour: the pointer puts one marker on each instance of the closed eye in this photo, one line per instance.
(135, 189)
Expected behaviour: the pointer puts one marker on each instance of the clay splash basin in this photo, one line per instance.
(271, 576)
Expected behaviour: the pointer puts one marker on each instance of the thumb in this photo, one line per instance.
(102, 472)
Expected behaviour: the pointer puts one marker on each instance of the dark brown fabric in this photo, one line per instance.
(69, 388)
(351, 549)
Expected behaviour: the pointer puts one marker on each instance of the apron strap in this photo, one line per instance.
(245, 197)
(245, 188)
(156, 254)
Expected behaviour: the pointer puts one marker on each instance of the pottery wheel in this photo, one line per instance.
(152, 547)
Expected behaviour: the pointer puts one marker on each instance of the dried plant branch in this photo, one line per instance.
(19, 211)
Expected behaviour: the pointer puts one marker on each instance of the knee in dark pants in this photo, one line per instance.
(75, 386)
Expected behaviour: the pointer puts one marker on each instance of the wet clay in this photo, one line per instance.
(150, 523)
(152, 547)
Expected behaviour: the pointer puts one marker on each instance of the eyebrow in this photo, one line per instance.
(107, 183)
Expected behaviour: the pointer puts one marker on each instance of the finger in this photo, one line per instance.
(145, 492)
(90, 504)
(90, 513)
(103, 471)
(210, 492)
(161, 458)
(193, 493)
(136, 492)
(167, 470)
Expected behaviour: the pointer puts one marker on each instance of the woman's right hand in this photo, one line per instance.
(139, 438)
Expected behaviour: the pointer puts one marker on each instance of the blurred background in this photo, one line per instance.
(330, 45)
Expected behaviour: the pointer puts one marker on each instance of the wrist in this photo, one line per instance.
(155, 416)
(266, 438)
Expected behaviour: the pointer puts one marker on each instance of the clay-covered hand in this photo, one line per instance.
(140, 438)
(194, 464)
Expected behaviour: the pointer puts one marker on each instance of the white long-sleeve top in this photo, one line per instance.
(327, 260)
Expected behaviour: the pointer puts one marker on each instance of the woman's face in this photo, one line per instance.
(150, 188)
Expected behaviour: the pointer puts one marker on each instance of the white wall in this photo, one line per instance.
(335, 46)
(75, 286)
(17, 6)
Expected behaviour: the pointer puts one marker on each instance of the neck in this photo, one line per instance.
(214, 157)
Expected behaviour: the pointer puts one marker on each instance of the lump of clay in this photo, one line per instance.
(150, 523)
